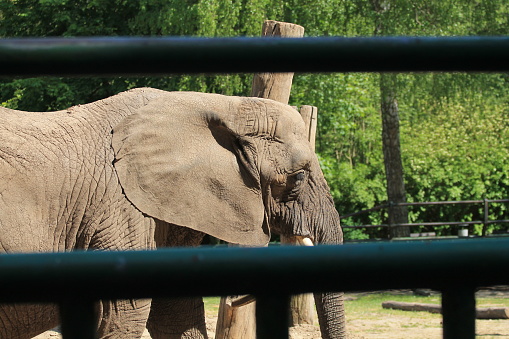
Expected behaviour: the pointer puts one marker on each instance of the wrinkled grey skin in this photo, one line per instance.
(67, 183)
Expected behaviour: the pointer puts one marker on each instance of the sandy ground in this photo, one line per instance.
(301, 332)
(391, 327)
(380, 328)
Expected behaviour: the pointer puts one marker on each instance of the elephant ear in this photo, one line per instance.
(178, 161)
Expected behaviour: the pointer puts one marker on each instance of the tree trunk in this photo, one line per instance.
(392, 156)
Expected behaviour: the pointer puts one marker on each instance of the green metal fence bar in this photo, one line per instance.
(173, 272)
(272, 316)
(78, 318)
(158, 56)
(458, 312)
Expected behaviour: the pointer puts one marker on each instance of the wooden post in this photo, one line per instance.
(236, 319)
(275, 86)
(302, 306)
(235, 322)
(309, 115)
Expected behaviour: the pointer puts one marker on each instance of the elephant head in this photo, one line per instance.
(235, 168)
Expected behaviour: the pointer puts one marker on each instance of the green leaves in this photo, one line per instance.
(458, 153)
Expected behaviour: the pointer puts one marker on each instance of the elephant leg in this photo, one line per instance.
(122, 319)
(24, 321)
(177, 318)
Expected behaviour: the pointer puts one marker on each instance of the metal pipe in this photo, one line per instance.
(78, 318)
(272, 316)
(131, 56)
(485, 220)
(486, 217)
(445, 223)
(376, 208)
(424, 203)
(458, 311)
(173, 272)
(448, 202)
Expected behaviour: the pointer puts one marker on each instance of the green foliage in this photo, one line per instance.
(355, 234)
(459, 153)
(453, 126)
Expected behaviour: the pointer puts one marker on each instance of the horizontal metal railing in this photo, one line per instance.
(78, 278)
(485, 222)
(158, 56)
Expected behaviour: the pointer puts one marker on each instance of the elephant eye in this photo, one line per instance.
(296, 179)
(299, 177)
(288, 187)
(293, 185)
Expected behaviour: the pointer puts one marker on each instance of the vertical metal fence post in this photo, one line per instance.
(486, 218)
(458, 311)
(272, 316)
(78, 319)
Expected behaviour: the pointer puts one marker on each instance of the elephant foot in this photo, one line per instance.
(177, 318)
(188, 334)
(123, 319)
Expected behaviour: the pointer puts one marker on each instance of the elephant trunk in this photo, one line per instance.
(331, 315)
(329, 305)
(313, 215)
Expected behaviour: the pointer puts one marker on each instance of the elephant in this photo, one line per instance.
(146, 169)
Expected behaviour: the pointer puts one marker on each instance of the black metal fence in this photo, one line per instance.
(485, 221)
(159, 56)
(76, 280)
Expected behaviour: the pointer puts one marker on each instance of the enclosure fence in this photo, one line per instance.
(455, 267)
(485, 222)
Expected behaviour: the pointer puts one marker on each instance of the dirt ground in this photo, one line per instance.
(390, 327)
(394, 329)
(301, 332)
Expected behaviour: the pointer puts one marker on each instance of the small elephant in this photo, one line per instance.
(148, 168)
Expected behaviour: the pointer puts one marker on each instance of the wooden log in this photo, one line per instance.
(418, 307)
(481, 313)
(492, 313)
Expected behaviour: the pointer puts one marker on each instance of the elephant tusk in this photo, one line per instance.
(305, 241)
